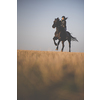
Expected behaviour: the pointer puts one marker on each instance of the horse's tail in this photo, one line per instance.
(73, 38)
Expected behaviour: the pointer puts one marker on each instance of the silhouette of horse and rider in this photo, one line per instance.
(61, 33)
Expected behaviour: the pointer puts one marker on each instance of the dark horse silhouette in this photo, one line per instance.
(62, 35)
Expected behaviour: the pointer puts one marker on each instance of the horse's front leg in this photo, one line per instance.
(55, 38)
(58, 45)
(62, 46)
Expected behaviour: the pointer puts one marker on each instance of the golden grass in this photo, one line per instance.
(46, 75)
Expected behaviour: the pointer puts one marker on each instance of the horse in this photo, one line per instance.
(62, 35)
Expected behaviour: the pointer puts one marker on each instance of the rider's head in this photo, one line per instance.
(63, 17)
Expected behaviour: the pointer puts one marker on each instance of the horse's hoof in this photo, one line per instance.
(56, 49)
(61, 50)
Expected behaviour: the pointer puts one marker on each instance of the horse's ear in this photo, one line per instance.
(57, 18)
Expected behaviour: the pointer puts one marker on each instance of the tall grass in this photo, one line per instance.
(46, 75)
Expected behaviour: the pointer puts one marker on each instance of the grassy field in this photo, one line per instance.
(47, 75)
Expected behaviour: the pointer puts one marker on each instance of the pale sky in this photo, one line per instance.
(35, 19)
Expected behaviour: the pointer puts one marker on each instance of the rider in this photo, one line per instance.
(63, 22)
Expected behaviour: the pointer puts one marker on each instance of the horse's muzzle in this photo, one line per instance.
(53, 26)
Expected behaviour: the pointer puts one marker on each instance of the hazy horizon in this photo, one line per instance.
(35, 19)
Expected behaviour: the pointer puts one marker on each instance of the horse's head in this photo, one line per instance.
(56, 23)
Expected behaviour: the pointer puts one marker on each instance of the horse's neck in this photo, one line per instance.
(57, 28)
(60, 29)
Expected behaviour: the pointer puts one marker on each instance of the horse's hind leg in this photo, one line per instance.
(54, 38)
(58, 45)
(62, 46)
(69, 45)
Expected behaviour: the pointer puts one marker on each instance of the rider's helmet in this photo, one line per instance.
(63, 17)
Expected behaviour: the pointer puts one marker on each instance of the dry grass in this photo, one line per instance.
(46, 75)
